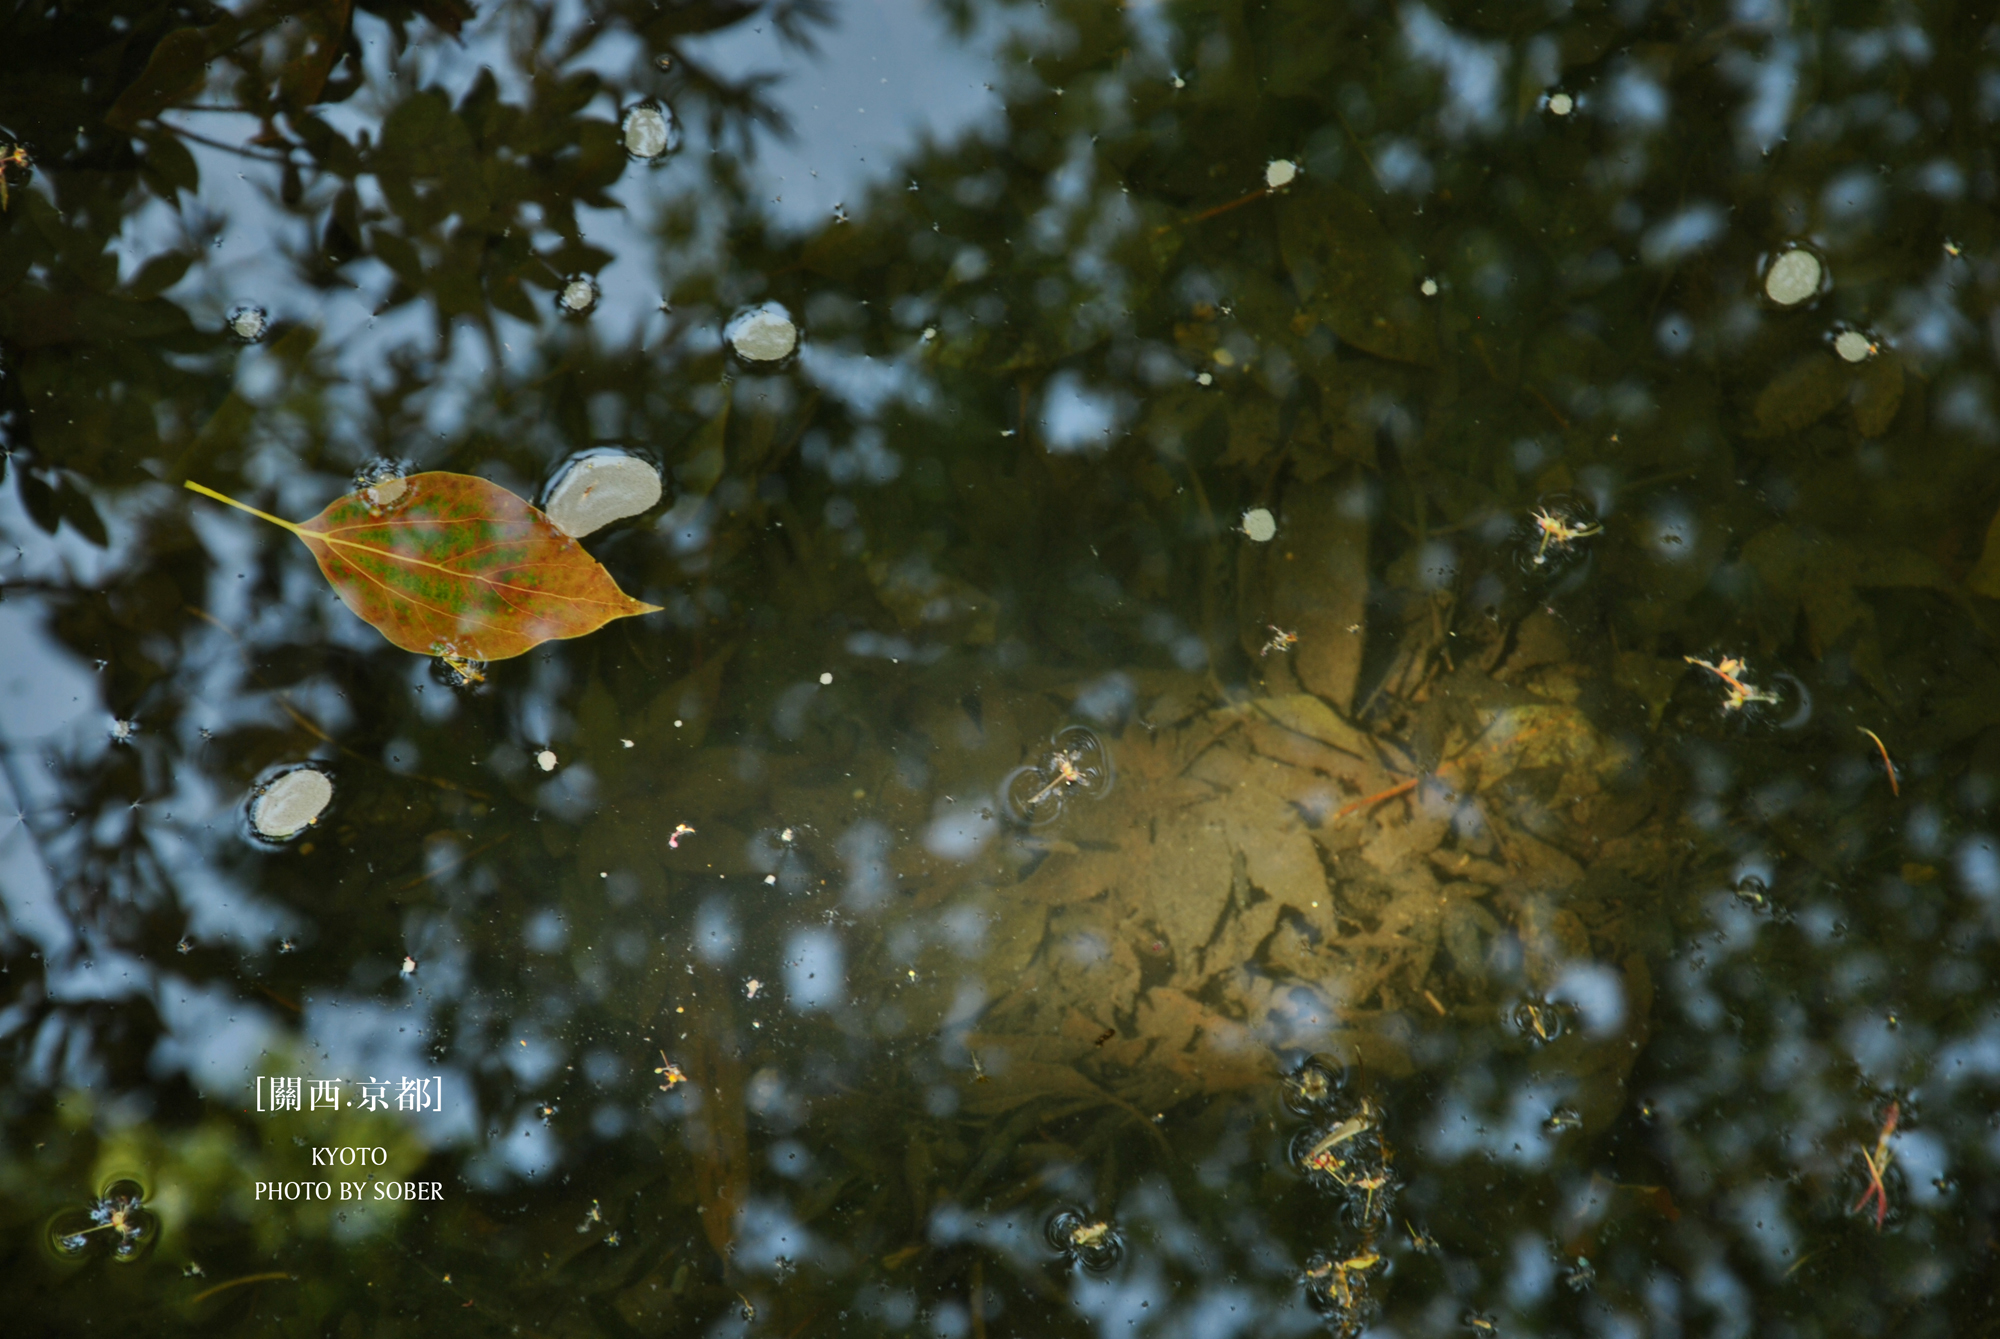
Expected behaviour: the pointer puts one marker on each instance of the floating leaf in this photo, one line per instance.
(451, 564)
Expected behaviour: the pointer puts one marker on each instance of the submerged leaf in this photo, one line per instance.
(1878, 394)
(451, 564)
(1352, 275)
(1801, 395)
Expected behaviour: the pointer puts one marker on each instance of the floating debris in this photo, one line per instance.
(1541, 1021)
(1280, 642)
(670, 1074)
(1580, 1275)
(1561, 104)
(1753, 892)
(248, 323)
(578, 296)
(1741, 692)
(409, 967)
(674, 838)
(14, 156)
(1555, 526)
(1561, 1119)
(1258, 523)
(185, 946)
(1429, 287)
(290, 802)
(1280, 173)
(546, 760)
(122, 730)
(599, 487)
(1035, 794)
(1877, 1162)
(1090, 1243)
(1314, 1087)
(765, 334)
(1338, 1290)
(591, 1219)
(120, 1213)
(650, 132)
(1796, 275)
(751, 987)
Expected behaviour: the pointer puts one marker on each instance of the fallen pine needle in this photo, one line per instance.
(1883, 749)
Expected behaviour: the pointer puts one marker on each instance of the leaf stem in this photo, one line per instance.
(205, 491)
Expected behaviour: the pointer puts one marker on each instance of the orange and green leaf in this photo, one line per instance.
(451, 565)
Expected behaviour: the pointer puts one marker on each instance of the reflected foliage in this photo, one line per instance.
(1636, 942)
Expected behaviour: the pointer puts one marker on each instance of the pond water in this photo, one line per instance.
(1193, 669)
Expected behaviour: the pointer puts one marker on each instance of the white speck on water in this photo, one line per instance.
(650, 132)
(409, 965)
(763, 334)
(826, 677)
(546, 760)
(291, 803)
(930, 333)
(1260, 525)
(122, 731)
(626, 742)
(1429, 288)
(1205, 379)
(1280, 173)
(751, 987)
(1561, 104)
(579, 295)
(1854, 346)
(1793, 277)
(249, 322)
(598, 488)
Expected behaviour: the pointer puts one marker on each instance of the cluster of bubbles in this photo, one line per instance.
(119, 1222)
(1341, 1152)
(1084, 1240)
(1077, 764)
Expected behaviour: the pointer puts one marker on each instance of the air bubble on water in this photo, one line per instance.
(383, 482)
(650, 132)
(1794, 276)
(546, 760)
(578, 296)
(1429, 288)
(289, 802)
(1561, 104)
(763, 334)
(1854, 347)
(1280, 173)
(595, 488)
(248, 323)
(1259, 525)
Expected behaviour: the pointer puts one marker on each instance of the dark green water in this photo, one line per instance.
(1176, 391)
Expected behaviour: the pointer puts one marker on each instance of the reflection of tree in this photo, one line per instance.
(1111, 244)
